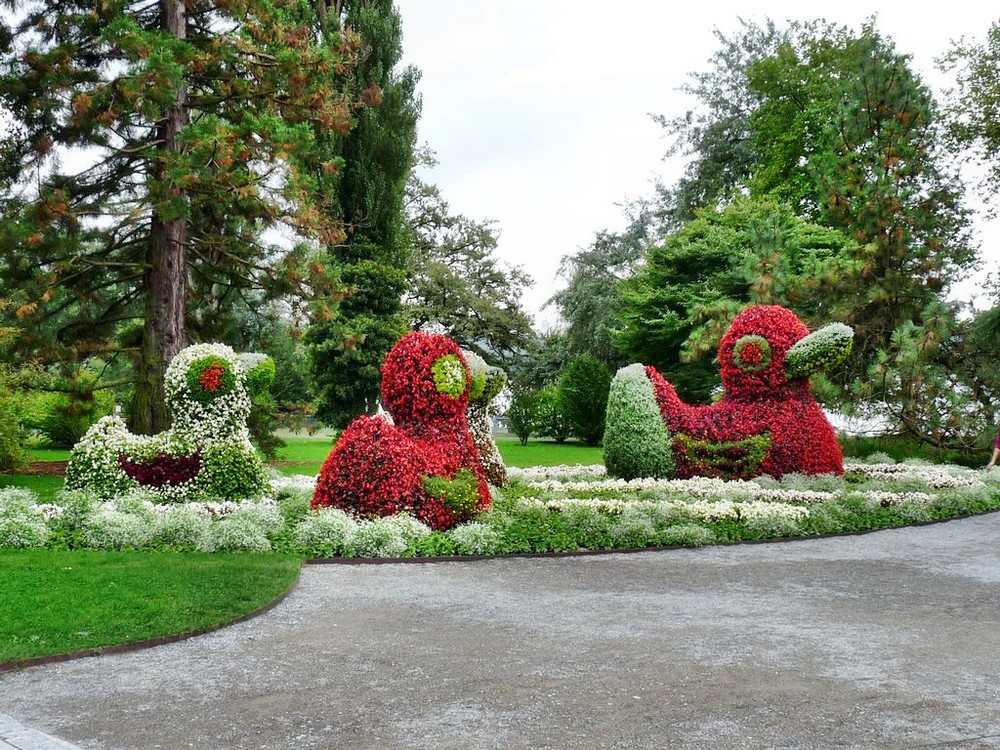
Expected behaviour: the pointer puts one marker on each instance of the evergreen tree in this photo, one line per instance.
(373, 261)
(583, 397)
(675, 310)
(150, 147)
(835, 124)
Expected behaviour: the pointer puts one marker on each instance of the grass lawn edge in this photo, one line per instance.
(119, 648)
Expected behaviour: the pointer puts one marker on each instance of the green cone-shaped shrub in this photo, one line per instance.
(636, 440)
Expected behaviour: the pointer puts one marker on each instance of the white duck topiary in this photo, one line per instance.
(206, 452)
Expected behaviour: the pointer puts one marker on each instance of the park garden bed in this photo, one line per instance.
(543, 510)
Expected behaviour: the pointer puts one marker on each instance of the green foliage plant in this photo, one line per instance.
(736, 459)
(12, 453)
(583, 397)
(521, 414)
(449, 375)
(636, 440)
(820, 351)
(459, 494)
(550, 416)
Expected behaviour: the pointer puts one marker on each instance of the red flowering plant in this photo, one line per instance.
(162, 469)
(768, 421)
(425, 462)
(210, 377)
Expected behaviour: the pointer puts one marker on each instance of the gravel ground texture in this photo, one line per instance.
(883, 640)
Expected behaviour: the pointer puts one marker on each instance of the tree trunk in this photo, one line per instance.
(165, 331)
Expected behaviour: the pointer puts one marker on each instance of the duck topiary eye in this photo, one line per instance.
(209, 378)
(752, 353)
(449, 375)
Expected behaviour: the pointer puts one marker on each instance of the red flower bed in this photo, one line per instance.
(377, 468)
(759, 400)
(162, 469)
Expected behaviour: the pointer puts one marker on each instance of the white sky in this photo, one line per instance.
(538, 110)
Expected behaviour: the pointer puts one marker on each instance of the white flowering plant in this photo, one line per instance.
(206, 453)
(544, 509)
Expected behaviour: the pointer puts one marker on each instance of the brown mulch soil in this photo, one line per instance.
(46, 469)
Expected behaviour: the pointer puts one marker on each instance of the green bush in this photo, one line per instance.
(232, 471)
(521, 414)
(636, 440)
(550, 417)
(64, 418)
(12, 453)
(263, 420)
(583, 396)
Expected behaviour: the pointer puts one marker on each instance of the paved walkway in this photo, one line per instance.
(887, 640)
(16, 736)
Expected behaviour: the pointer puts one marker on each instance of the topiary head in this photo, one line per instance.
(487, 381)
(767, 346)
(206, 390)
(752, 352)
(425, 378)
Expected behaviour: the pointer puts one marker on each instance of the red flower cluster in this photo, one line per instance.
(377, 468)
(211, 378)
(758, 401)
(162, 469)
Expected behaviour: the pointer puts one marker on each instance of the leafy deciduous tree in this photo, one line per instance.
(458, 285)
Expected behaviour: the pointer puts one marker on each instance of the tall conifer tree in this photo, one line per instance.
(149, 148)
(373, 261)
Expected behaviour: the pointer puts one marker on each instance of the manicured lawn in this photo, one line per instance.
(547, 453)
(45, 487)
(48, 454)
(56, 602)
(312, 449)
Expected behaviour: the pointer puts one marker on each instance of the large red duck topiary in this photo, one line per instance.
(424, 462)
(768, 421)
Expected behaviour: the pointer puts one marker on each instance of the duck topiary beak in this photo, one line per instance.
(820, 350)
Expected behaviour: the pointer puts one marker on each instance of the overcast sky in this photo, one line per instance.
(538, 110)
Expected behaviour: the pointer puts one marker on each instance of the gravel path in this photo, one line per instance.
(886, 640)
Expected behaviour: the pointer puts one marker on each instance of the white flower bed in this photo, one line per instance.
(589, 509)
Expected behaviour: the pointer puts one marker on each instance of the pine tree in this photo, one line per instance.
(151, 146)
(373, 262)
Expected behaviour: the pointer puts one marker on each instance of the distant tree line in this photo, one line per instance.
(821, 175)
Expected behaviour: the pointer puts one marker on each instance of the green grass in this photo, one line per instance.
(309, 454)
(314, 450)
(48, 454)
(61, 602)
(547, 453)
(44, 487)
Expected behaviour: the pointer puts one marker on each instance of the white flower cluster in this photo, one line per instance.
(22, 522)
(934, 476)
(698, 487)
(702, 510)
(557, 473)
(217, 429)
(887, 499)
(294, 484)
